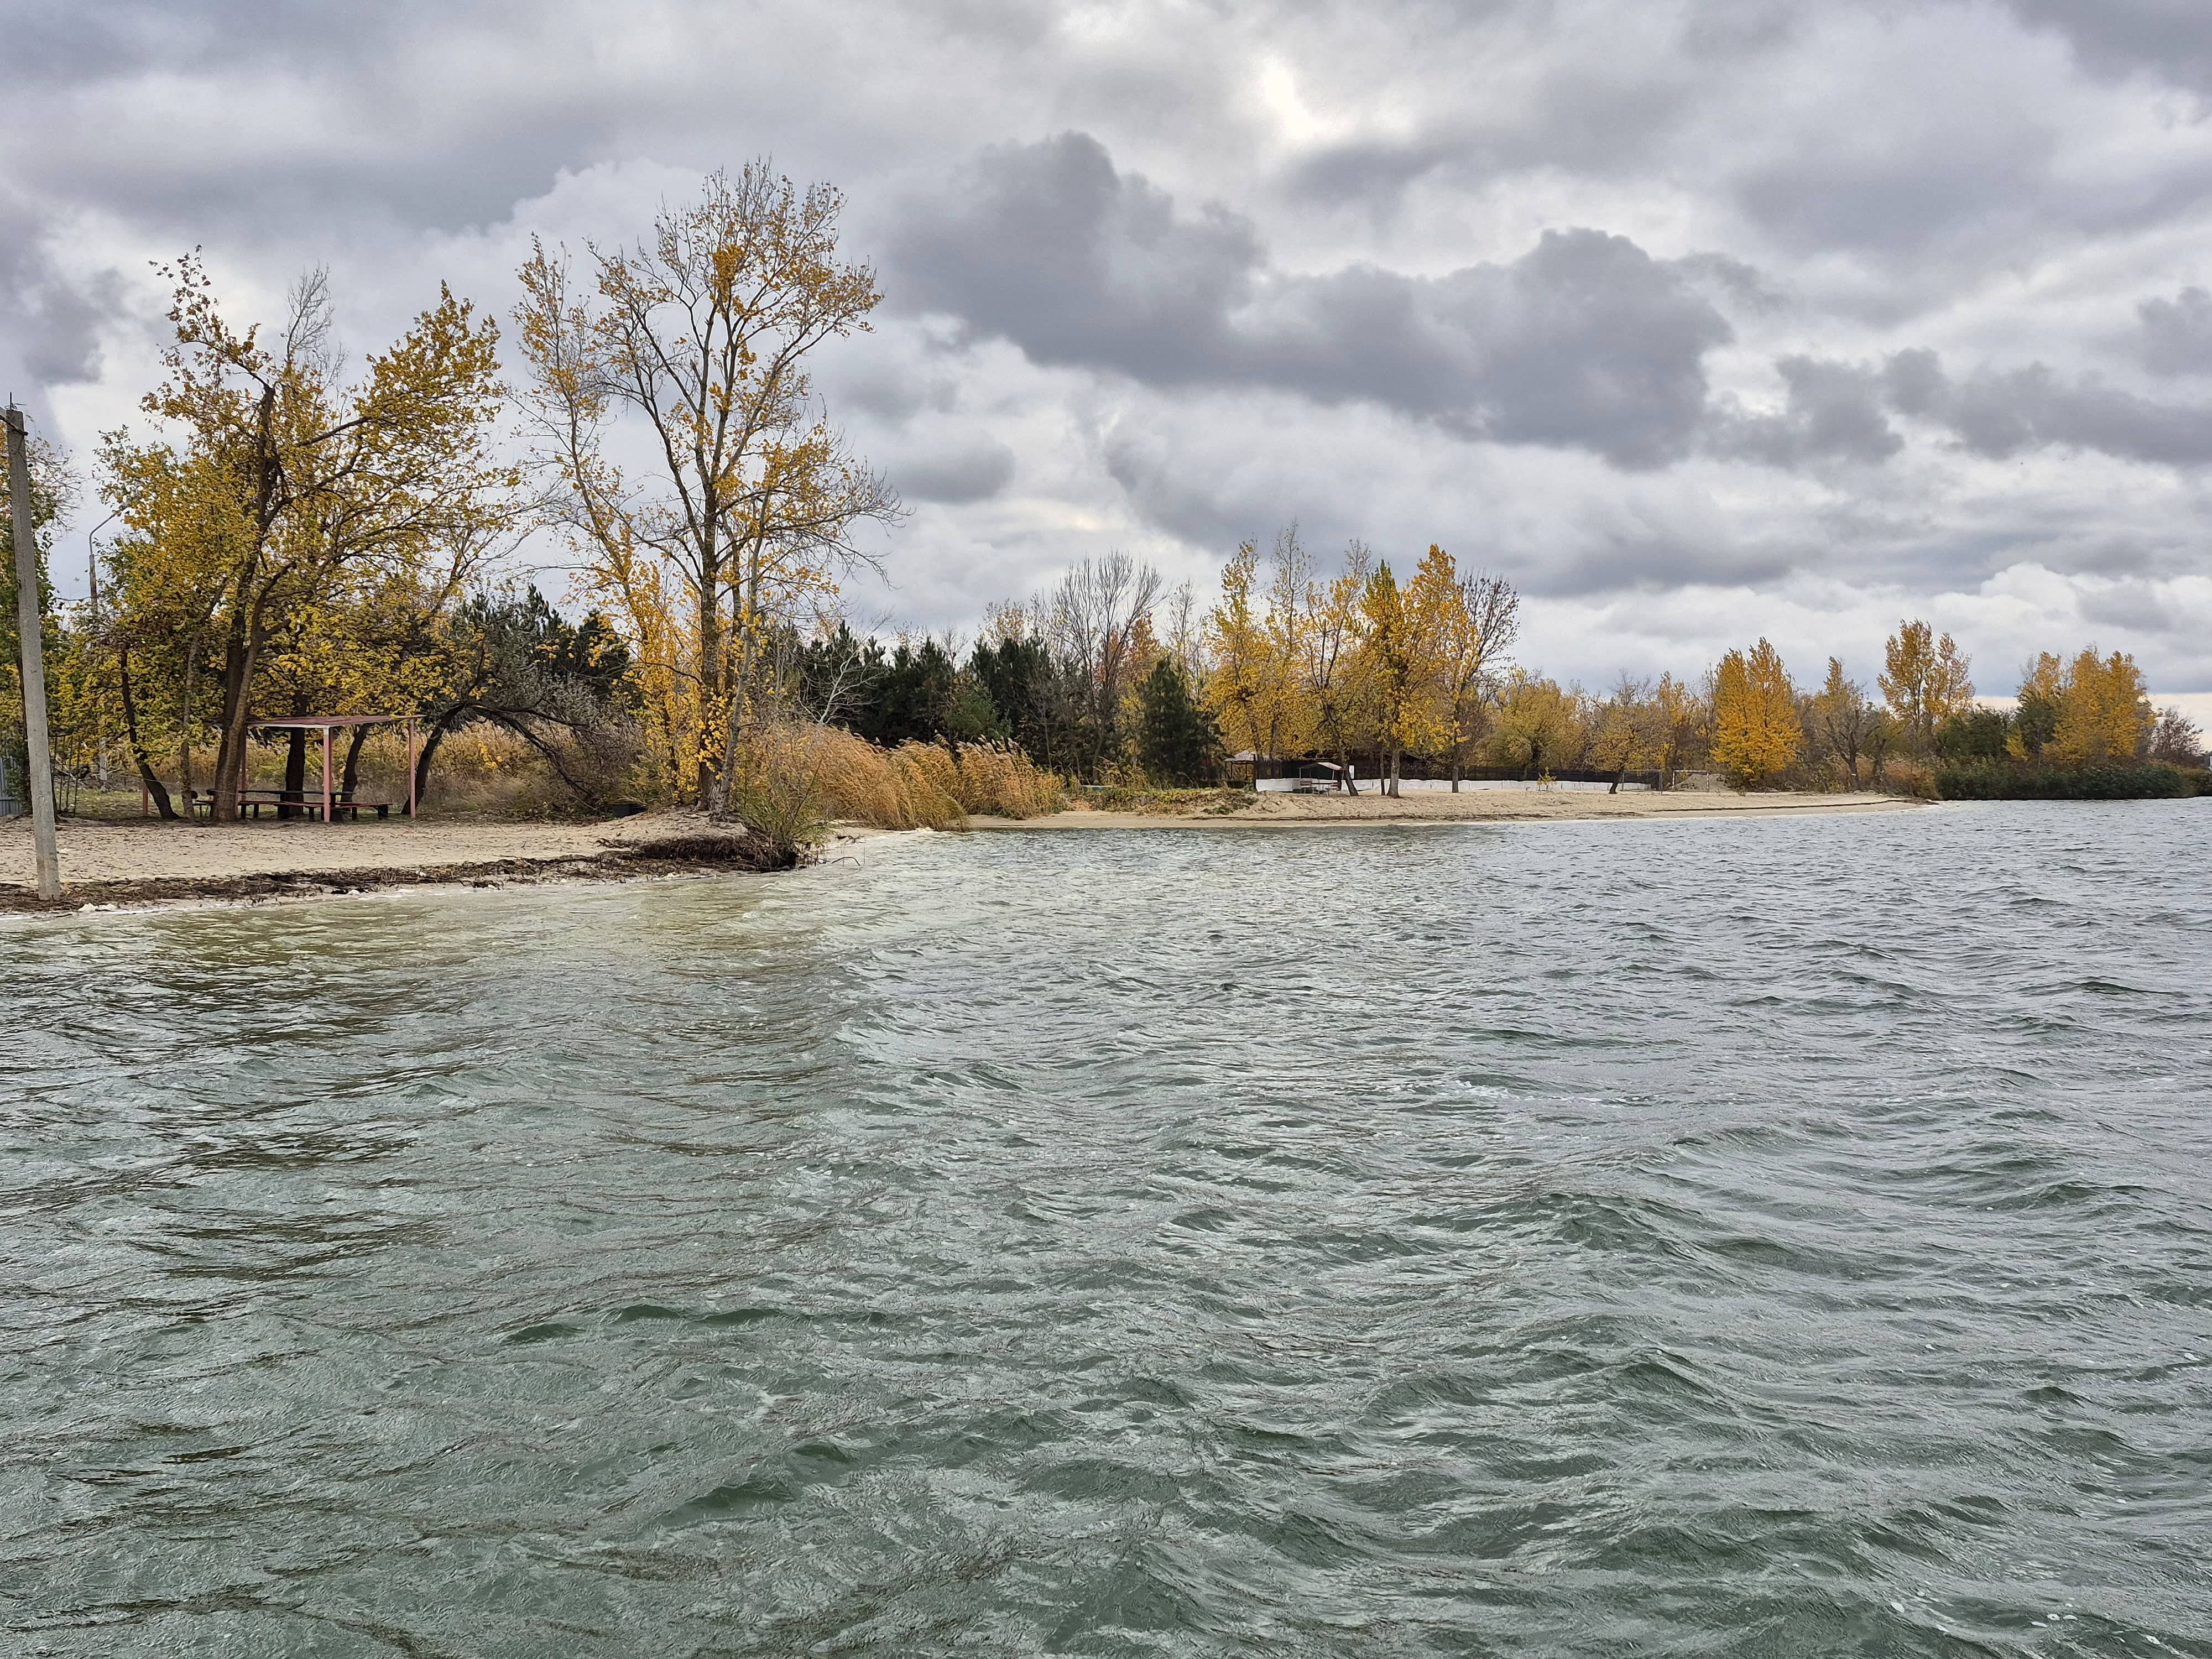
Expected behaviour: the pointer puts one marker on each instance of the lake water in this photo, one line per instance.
(1751, 1239)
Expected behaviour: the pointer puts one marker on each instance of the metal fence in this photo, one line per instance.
(66, 786)
(1558, 774)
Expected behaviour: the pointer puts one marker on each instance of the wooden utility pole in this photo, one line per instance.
(37, 758)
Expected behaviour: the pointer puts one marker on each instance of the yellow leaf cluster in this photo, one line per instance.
(1756, 733)
(2102, 714)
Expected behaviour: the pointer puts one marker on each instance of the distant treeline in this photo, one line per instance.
(1106, 679)
(1020, 693)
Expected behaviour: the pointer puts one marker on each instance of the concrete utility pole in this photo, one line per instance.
(37, 758)
(92, 570)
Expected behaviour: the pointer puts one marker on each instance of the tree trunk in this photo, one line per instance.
(428, 752)
(352, 760)
(244, 646)
(153, 786)
(295, 775)
(184, 721)
(237, 687)
(713, 681)
(746, 621)
(1397, 758)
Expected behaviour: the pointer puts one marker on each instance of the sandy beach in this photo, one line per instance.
(1472, 806)
(146, 861)
(141, 849)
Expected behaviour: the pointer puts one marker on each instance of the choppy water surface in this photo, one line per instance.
(1747, 1238)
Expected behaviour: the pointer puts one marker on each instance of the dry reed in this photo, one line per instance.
(800, 775)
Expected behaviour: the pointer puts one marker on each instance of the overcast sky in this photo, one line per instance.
(1698, 319)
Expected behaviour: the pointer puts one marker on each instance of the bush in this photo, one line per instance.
(1912, 779)
(2000, 781)
(487, 770)
(1171, 803)
(1977, 734)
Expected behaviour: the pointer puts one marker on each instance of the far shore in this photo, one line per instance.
(135, 863)
(1470, 806)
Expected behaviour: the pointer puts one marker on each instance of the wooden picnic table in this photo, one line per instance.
(310, 802)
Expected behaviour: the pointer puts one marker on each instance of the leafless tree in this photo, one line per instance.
(1096, 617)
(2176, 739)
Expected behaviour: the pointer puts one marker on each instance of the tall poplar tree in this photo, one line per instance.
(2103, 715)
(744, 511)
(1756, 731)
(1924, 681)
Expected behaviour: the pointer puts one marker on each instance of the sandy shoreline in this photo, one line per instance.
(135, 862)
(1483, 806)
(140, 862)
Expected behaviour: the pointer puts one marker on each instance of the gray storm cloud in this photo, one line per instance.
(1894, 305)
(2163, 38)
(1584, 342)
(2176, 333)
(2002, 413)
(49, 324)
(1839, 411)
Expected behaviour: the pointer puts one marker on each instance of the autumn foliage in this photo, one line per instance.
(294, 537)
(1756, 734)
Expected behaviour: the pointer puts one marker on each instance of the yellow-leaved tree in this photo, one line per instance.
(740, 519)
(1257, 692)
(1290, 628)
(1236, 638)
(1398, 667)
(1756, 734)
(2042, 691)
(1474, 617)
(275, 482)
(1842, 718)
(1538, 724)
(1329, 672)
(1627, 731)
(1925, 682)
(2102, 714)
(1679, 721)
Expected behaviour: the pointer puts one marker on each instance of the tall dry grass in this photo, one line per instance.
(798, 776)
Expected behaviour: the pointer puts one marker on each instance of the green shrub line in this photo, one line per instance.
(1988, 779)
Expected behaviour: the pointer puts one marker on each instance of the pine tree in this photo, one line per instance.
(1175, 740)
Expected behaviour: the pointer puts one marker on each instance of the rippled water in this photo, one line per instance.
(1726, 1238)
